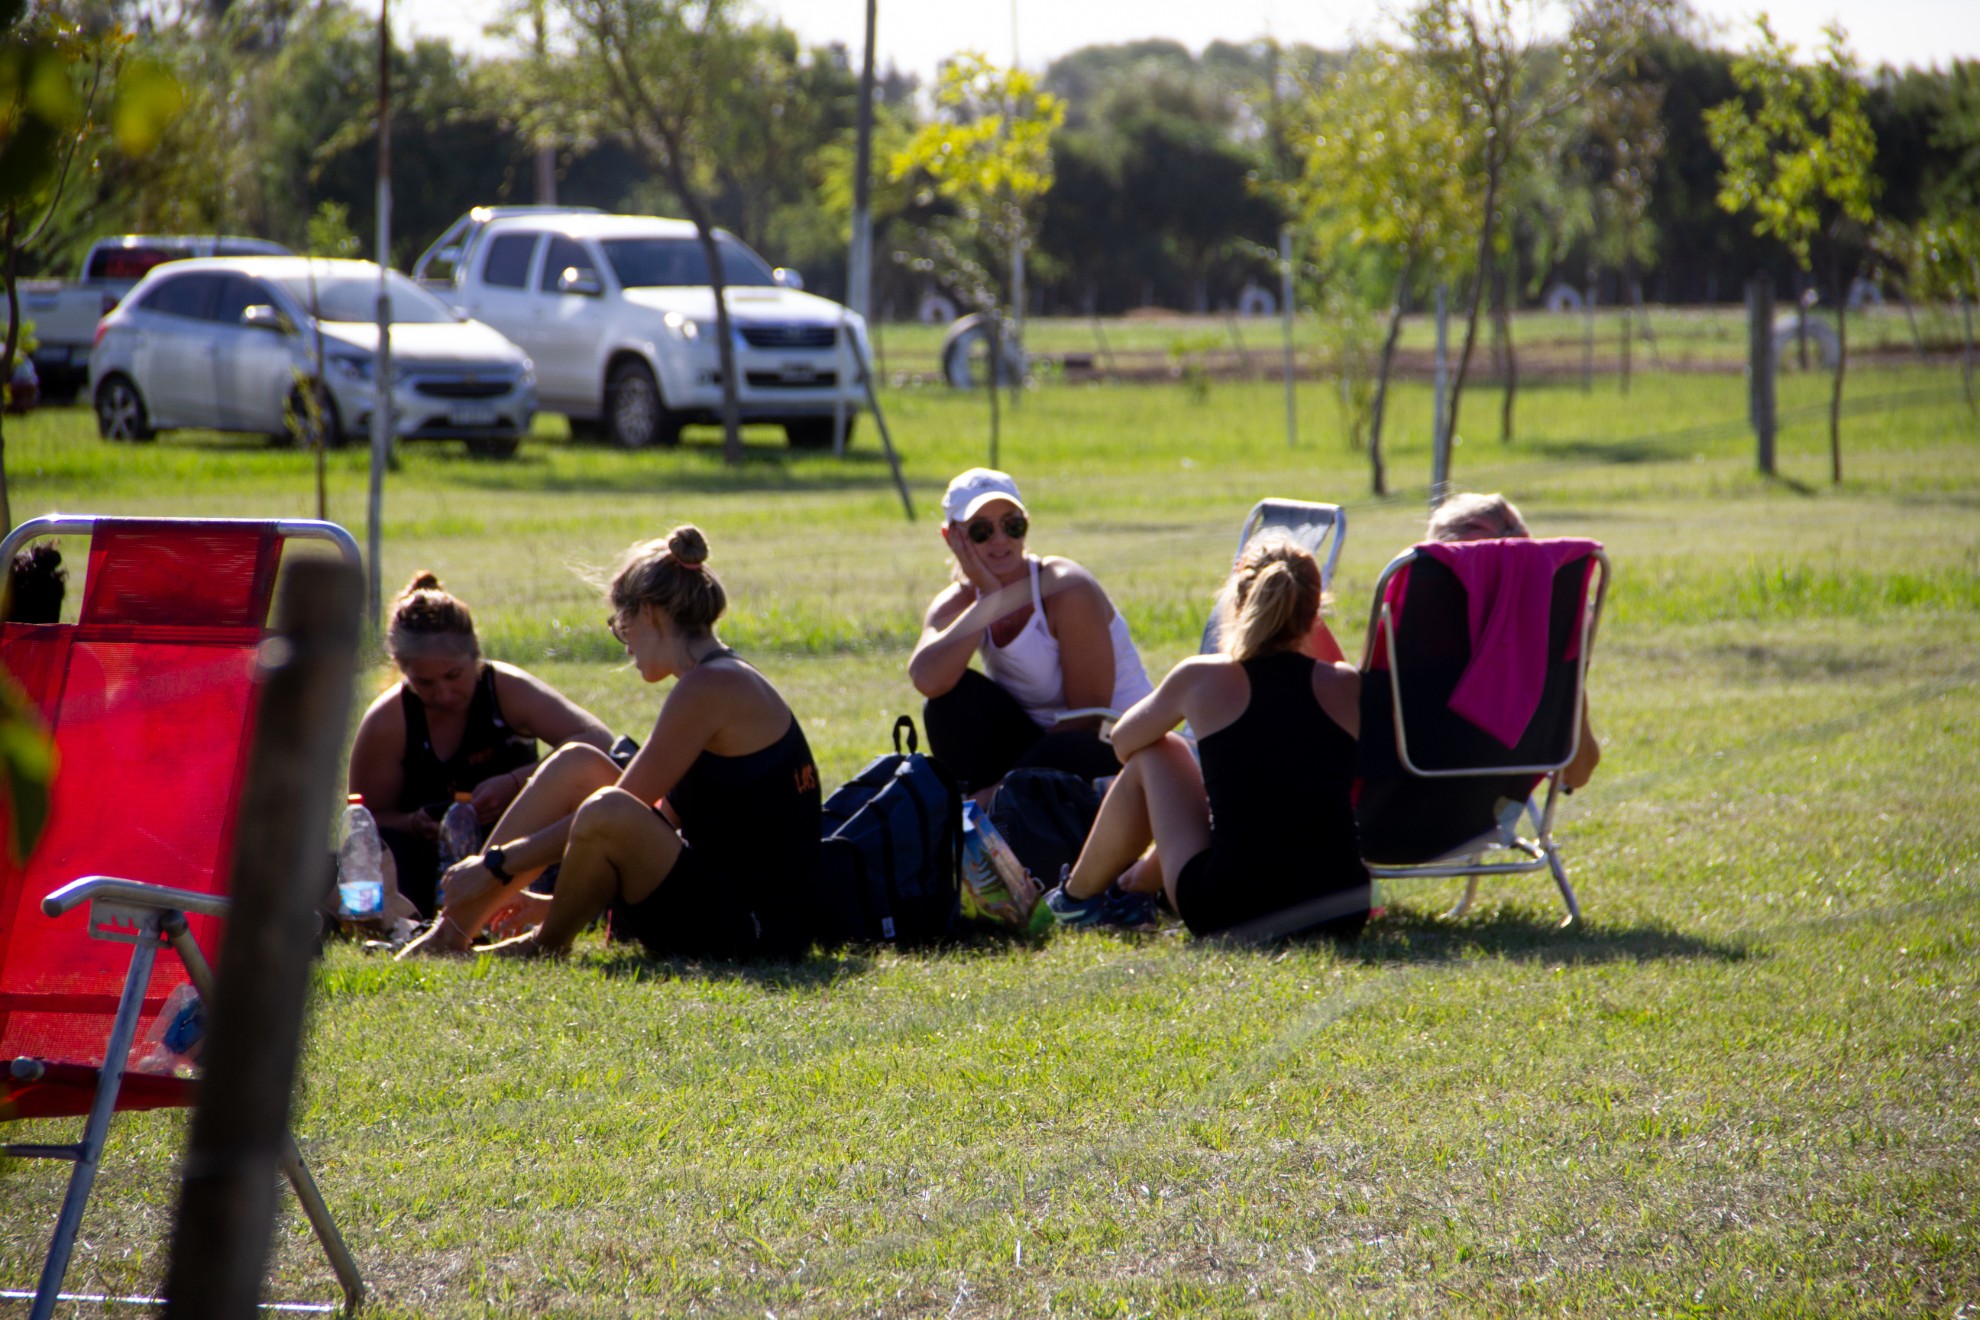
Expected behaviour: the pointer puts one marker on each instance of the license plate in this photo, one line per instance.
(472, 416)
(799, 373)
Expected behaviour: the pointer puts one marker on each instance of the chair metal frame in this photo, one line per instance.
(1541, 851)
(148, 915)
(1331, 519)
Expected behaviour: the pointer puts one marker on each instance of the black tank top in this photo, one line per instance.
(489, 747)
(1278, 778)
(754, 821)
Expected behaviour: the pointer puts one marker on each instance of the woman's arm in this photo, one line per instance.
(1081, 617)
(1161, 710)
(540, 711)
(378, 769)
(1586, 757)
(952, 631)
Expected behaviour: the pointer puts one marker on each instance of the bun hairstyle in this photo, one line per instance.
(1271, 599)
(671, 574)
(36, 584)
(1475, 517)
(427, 620)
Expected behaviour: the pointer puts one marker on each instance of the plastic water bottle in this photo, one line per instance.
(460, 837)
(360, 863)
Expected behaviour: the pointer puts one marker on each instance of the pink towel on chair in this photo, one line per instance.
(1510, 586)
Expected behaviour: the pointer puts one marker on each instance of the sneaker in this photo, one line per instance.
(1127, 911)
(1070, 911)
(1112, 906)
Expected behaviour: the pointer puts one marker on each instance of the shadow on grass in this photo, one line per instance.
(1405, 935)
(814, 972)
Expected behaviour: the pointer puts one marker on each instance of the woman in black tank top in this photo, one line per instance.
(1259, 842)
(454, 723)
(707, 842)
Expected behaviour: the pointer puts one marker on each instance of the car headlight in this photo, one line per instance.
(686, 329)
(351, 367)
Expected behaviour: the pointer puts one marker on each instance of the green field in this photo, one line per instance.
(1746, 1083)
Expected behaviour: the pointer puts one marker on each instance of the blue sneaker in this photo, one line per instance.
(1112, 906)
(1070, 911)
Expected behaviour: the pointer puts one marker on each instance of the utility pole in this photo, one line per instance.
(381, 378)
(859, 266)
(1441, 439)
(546, 152)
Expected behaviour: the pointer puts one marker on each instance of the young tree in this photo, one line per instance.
(657, 72)
(1511, 82)
(68, 93)
(1800, 158)
(1373, 148)
(988, 152)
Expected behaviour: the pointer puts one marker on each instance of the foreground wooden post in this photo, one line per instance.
(240, 1130)
(1760, 369)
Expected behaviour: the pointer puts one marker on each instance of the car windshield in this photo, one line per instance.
(649, 263)
(355, 298)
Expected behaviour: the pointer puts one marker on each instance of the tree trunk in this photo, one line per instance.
(1376, 474)
(1588, 334)
(725, 341)
(1493, 167)
(8, 265)
(990, 380)
(1966, 364)
(1504, 313)
(1836, 390)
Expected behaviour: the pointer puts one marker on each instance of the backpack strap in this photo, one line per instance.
(913, 741)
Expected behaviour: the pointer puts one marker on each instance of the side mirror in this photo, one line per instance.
(787, 278)
(263, 317)
(580, 280)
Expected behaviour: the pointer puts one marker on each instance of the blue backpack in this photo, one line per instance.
(890, 864)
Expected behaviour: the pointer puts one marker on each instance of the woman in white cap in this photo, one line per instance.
(1050, 639)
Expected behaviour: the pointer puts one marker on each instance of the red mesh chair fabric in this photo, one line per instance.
(151, 706)
(209, 575)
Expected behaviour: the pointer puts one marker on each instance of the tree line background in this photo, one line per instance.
(1171, 171)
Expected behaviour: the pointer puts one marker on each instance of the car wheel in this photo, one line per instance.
(494, 446)
(295, 420)
(815, 433)
(635, 417)
(120, 411)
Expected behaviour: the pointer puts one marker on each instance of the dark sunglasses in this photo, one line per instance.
(1015, 525)
(616, 623)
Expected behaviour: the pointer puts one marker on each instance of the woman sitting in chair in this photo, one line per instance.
(453, 723)
(708, 843)
(1050, 638)
(1259, 841)
(1475, 517)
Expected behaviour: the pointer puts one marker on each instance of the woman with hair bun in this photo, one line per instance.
(1260, 840)
(708, 842)
(453, 723)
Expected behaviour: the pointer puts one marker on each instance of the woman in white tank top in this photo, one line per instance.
(1050, 639)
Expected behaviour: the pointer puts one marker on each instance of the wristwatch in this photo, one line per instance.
(495, 860)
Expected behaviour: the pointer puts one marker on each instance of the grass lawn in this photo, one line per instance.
(1746, 1083)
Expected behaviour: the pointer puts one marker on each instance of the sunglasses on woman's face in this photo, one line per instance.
(1015, 525)
(617, 622)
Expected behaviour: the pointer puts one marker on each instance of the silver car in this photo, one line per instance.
(235, 343)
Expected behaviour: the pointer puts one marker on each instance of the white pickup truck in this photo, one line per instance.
(65, 314)
(616, 313)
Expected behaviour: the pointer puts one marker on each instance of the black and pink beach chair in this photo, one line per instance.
(1474, 679)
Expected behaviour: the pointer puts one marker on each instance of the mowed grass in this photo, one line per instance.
(1746, 1083)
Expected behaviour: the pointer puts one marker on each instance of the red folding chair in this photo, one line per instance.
(151, 702)
(1437, 792)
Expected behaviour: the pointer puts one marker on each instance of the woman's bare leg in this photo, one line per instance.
(1157, 798)
(619, 849)
(559, 787)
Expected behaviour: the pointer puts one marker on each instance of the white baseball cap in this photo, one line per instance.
(975, 488)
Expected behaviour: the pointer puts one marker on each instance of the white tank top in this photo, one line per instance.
(1028, 668)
